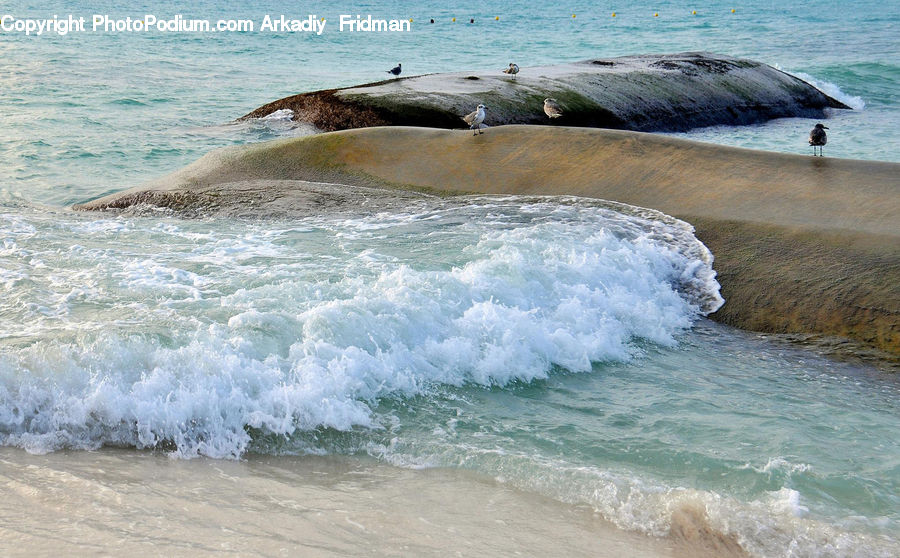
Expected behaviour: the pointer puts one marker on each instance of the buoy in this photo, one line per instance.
(655, 14)
(573, 16)
(732, 10)
(497, 18)
(432, 20)
(410, 20)
(472, 20)
(693, 12)
(614, 14)
(454, 19)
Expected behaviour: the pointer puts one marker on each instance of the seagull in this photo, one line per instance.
(395, 70)
(818, 138)
(474, 119)
(512, 70)
(552, 108)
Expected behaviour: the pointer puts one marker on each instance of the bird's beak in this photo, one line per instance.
(826, 127)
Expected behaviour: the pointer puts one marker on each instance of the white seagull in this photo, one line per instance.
(512, 70)
(552, 108)
(474, 119)
(818, 138)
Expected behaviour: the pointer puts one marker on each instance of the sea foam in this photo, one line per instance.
(199, 336)
(832, 90)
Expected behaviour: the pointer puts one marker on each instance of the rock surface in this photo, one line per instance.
(674, 92)
(803, 245)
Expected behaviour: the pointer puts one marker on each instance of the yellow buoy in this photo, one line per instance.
(573, 15)
(410, 20)
(614, 14)
(732, 10)
(454, 19)
(497, 18)
(693, 12)
(655, 14)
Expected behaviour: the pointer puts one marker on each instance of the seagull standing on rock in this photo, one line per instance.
(474, 119)
(512, 70)
(818, 138)
(552, 108)
(395, 70)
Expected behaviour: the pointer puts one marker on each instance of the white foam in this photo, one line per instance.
(281, 114)
(777, 523)
(782, 464)
(151, 275)
(193, 334)
(105, 226)
(832, 90)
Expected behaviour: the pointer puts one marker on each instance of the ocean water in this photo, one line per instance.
(556, 347)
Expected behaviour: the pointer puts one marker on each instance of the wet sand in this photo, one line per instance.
(122, 502)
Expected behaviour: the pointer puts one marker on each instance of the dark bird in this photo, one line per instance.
(818, 138)
(395, 70)
(475, 119)
(512, 70)
(552, 108)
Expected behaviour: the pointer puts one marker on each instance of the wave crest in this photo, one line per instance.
(226, 335)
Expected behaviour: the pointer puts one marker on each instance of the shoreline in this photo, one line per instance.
(325, 506)
(803, 245)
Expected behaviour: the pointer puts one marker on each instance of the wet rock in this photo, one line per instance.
(803, 245)
(649, 93)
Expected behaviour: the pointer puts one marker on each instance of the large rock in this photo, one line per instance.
(805, 245)
(672, 92)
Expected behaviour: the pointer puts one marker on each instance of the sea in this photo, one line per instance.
(482, 376)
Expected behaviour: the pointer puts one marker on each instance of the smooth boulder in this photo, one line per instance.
(648, 93)
(803, 245)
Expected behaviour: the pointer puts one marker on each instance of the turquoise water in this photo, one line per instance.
(87, 114)
(557, 345)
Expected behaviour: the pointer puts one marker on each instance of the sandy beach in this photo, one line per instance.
(114, 502)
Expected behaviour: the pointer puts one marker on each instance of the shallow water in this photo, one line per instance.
(277, 506)
(92, 113)
(550, 353)
(549, 344)
(138, 330)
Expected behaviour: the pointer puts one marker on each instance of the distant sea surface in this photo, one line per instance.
(553, 347)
